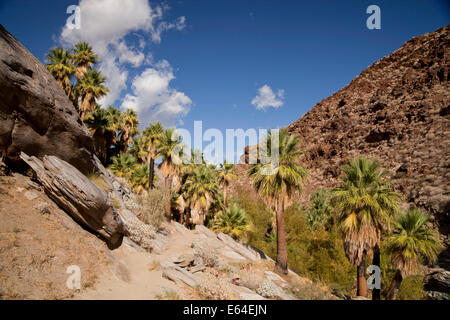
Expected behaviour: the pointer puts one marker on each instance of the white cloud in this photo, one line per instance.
(105, 24)
(153, 99)
(267, 98)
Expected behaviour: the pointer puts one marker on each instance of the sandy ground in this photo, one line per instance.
(145, 277)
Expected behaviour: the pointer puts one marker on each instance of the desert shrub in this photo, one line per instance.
(318, 213)
(268, 289)
(168, 294)
(411, 288)
(213, 288)
(250, 280)
(151, 209)
(206, 253)
(309, 292)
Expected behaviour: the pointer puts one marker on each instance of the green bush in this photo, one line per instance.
(411, 288)
(316, 254)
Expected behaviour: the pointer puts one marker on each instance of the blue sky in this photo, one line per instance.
(207, 59)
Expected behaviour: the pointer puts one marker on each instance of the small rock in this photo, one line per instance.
(30, 195)
(176, 258)
(197, 268)
(42, 207)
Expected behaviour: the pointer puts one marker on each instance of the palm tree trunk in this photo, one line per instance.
(281, 264)
(376, 293)
(225, 196)
(395, 286)
(361, 277)
(168, 195)
(151, 173)
(187, 217)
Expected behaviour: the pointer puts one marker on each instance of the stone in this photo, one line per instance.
(197, 268)
(202, 229)
(87, 203)
(179, 277)
(30, 195)
(36, 116)
(179, 227)
(42, 207)
(239, 248)
(232, 255)
(437, 280)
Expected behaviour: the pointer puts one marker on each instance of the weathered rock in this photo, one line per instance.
(239, 248)
(204, 230)
(437, 280)
(273, 276)
(197, 268)
(78, 196)
(179, 227)
(179, 277)
(36, 116)
(30, 195)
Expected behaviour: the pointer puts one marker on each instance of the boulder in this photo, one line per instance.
(36, 116)
(437, 280)
(87, 203)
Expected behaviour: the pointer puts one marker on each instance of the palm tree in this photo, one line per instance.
(364, 204)
(225, 176)
(139, 179)
(139, 149)
(233, 222)
(153, 135)
(200, 189)
(102, 128)
(91, 88)
(410, 242)
(129, 128)
(61, 68)
(84, 58)
(123, 165)
(278, 185)
(170, 148)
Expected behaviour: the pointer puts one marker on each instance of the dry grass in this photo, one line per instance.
(152, 206)
(154, 265)
(36, 249)
(99, 181)
(168, 294)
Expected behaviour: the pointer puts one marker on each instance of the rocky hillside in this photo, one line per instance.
(396, 111)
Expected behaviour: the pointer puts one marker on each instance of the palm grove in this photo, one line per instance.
(363, 209)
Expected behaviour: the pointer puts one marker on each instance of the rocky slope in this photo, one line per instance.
(396, 111)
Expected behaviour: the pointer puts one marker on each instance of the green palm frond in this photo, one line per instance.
(363, 205)
(233, 222)
(411, 241)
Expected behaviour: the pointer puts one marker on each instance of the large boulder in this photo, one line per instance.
(84, 200)
(36, 116)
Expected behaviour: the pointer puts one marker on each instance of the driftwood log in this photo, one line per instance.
(89, 204)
